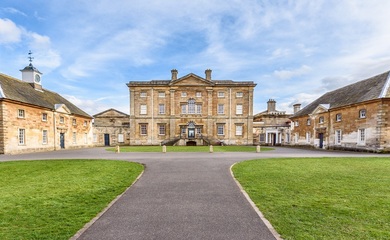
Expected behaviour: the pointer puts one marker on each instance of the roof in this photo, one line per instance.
(112, 111)
(369, 89)
(200, 79)
(17, 90)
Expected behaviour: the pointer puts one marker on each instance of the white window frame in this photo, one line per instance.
(338, 136)
(308, 137)
(239, 94)
(161, 94)
(143, 94)
(296, 137)
(239, 108)
(191, 106)
(21, 113)
(198, 108)
(220, 129)
(183, 94)
(44, 117)
(308, 122)
(62, 120)
(296, 123)
(95, 139)
(44, 136)
(74, 137)
(161, 109)
(221, 109)
(85, 123)
(338, 117)
(184, 109)
(321, 119)
(143, 129)
(198, 94)
(161, 129)
(121, 138)
(22, 136)
(74, 121)
(143, 109)
(221, 94)
(239, 130)
(362, 113)
(362, 136)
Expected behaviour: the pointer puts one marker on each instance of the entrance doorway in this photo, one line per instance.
(191, 143)
(321, 137)
(62, 140)
(106, 139)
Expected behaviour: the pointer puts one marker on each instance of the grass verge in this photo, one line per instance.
(54, 199)
(189, 149)
(321, 198)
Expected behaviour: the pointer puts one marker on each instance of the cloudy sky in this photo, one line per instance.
(294, 50)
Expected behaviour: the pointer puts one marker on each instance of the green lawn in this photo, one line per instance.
(54, 199)
(190, 149)
(321, 198)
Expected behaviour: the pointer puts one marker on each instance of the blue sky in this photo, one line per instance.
(294, 50)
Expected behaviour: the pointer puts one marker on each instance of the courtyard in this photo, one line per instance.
(188, 195)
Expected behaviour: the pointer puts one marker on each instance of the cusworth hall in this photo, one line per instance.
(193, 110)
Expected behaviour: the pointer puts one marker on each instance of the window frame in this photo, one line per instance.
(161, 109)
(44, 137)
(198, 94)
(143, 109)
(161, 129)
(21, 113)
(161, 94)
(183, 94)
(239, 94)
(74, 137)
(220, 129)
(143, 129)
(44, 117)
(239, 129)
(338, 136)
(321, 119)
(362, 113)
(74, 121)
(338, 117)
(221, 94)
(62, 119)
(143, 94)
(221, 109)
(239, 109)
(362, 136)
(21, 137)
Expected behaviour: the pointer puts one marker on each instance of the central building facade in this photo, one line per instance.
(191, 110)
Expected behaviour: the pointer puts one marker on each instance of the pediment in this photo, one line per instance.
(321, 108)
(191, 80)
(111, 113)
(62, 108)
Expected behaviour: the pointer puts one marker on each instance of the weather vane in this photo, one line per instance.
(30, 56)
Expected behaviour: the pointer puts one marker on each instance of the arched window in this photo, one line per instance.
(191, 106)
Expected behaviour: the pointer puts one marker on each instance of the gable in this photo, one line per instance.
(111, 113)
(321, 109)
(191, 80)
(62, 108)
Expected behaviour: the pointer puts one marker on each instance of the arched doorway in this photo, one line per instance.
(191, 143)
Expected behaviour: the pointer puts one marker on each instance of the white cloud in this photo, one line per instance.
(13, 11)
(9, 32)
(287, 74)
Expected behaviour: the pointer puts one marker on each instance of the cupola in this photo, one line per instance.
(32, 75)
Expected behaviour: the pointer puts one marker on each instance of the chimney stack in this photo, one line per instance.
(174, 74)
(297, 107)
(271, 105)
(208, 74)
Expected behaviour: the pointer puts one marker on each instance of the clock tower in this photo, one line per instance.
(32, 75)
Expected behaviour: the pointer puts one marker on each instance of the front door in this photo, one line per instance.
(62, 140)
(191, 132)
(106, 139)
(321, 137)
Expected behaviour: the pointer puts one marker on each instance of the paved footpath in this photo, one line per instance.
(180, 196)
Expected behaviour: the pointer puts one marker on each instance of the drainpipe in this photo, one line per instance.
(54, 130)
(152, 133)
(230, 114)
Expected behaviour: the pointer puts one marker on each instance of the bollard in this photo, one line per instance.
(118, 150)
(258, 148)
(164, 149)
(211, 149)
